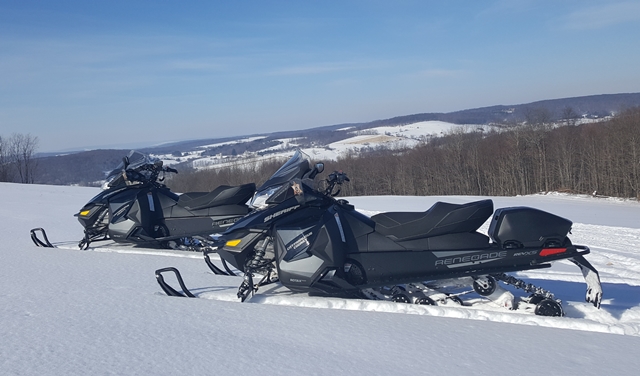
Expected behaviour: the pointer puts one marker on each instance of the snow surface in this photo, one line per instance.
(98, 312)
(426, 128)
(388, 137)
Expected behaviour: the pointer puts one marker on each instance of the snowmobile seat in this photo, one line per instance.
(442, 218)
(222, 195)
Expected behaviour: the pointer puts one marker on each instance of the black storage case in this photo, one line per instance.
(518, 227)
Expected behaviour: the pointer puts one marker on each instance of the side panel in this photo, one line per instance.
(134, 216)
(120, 207)
(381, 268)
(189, 226)
(308, 245)
(387, 268)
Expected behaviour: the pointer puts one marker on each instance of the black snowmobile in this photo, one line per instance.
(314, 243)
(136, 208)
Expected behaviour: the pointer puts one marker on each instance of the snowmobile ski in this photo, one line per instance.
(216, 270)
(40, 242)
(170, 290)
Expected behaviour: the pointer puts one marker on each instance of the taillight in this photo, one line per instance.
(552, 251)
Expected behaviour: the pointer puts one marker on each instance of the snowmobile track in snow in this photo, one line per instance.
(613, 251)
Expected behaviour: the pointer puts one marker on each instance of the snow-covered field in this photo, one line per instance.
(97, 312)
(388, 137)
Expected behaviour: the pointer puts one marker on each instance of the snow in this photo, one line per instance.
(240, 141)
(424, 128)
(70, 312)
(394, 137)
(389, 137)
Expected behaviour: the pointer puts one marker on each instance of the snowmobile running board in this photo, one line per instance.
(170, 290)
(37, 241)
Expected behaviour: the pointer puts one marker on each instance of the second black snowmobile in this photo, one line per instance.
(312, 242)
(135, 207)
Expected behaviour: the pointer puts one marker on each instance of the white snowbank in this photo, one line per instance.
(71, 312)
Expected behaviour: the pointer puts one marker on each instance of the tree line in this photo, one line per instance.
(238, 173)
(18, 162)
(538, 155)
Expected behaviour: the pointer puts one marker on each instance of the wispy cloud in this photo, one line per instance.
(343, 82)
(597, 17)
(312, 69)
(502, 7)
(194, 66)
(441, 73)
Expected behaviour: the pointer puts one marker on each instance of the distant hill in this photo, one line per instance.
(83, 168)
(88, 167)
(593, 106)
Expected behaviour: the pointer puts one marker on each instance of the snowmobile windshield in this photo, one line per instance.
(295, 167)
(135, 160)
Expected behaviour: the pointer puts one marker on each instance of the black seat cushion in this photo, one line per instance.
(223, 195)
(442, 218)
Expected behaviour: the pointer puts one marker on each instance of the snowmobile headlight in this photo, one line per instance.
(259, 200)
(233, 243)
(85, 213)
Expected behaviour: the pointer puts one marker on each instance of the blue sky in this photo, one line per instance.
(82, 74)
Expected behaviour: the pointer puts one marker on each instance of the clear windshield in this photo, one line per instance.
(135, 160)
(295, 167)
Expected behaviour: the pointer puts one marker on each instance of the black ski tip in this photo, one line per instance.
(170, 290)
(39, 242)
(592, 278)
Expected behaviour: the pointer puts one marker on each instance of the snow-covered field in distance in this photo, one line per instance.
(70, 312)
(389, 137)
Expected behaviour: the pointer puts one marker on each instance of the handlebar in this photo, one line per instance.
(335, 178)
(154, 168)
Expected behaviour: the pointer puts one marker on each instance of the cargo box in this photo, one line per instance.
(518, 227)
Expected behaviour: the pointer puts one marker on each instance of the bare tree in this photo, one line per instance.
(539, 123)
(22, 150)
(569, 116)
(5, 165)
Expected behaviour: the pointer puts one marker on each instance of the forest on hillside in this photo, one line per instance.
(521, 158)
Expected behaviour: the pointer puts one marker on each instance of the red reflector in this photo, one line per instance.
(552, 251)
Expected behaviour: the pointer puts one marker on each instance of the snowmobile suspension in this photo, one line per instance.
(430, 293)
(522, 285)
(261, 263)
